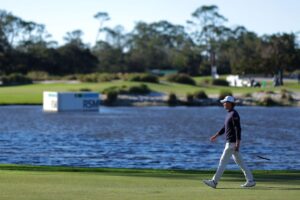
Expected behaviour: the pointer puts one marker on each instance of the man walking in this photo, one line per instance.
(232, 129)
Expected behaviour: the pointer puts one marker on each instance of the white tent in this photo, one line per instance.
(236, 81)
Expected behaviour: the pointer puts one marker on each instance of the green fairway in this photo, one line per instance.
(33, 94)
(46, 183)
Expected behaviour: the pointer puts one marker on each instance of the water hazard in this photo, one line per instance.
(146, 137)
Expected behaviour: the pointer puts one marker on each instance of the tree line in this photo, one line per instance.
(203, 43)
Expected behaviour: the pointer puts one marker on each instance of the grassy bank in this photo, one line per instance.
(47, 183)
(32, 94)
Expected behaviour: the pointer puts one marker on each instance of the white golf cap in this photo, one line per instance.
(228, 99)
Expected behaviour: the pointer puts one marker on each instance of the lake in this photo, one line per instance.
(147, 137)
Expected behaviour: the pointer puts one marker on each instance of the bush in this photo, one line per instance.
(111, 89)
(105, 77)
(172, 99)
(38, 75)
(141, 89)
(269, 92)
(189, 99)
(200, 95)
(16, 79)
(97, 77)
(135, 78)
(290, 98)
(268, 101)
(283, 91)
(111, 97)
(71, 77)
(224, 93)
(248, 95)
(89, 78)
(286, 95)
(181, 78)
(85, 90)
(144, 78)
(220, 82)
(123, 89)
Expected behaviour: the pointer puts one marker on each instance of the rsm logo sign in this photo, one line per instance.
(90, 103)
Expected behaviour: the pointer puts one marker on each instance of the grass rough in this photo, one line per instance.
(33, 93)
(47, 183)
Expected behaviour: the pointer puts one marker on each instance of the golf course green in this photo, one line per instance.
(47, 183)
(33, 93)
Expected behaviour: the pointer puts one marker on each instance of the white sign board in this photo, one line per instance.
(71, 101)
(50, 101)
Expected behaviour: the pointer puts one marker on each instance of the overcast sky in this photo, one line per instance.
(61, 16)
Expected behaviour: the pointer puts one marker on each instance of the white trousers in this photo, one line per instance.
(227, 153)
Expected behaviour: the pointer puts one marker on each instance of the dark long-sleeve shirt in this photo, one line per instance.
(232, 127)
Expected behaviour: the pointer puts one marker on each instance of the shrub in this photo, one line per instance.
(189, 99)
(71, 77)
(16, 79)
(144, 78)
(149, 78)
(111, 89)
(106, 77)
(248, 95)
(181, 78)
(286, 95)
(38, 75)
(89, 78)
(220, 82)
(200, 95)
(85, 90)
(269, 92)
(224, 93)
(290, 97)
(141, 89)
(267, 101)
(172, 99)
(135, 78)
(123, 89)
(282, 91)
(111, 97)
(97, 77)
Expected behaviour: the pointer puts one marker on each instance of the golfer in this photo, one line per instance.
(232, 129)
